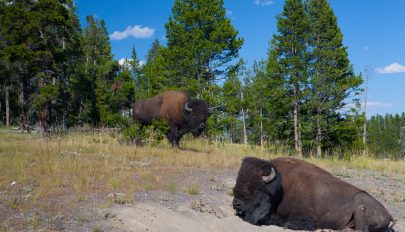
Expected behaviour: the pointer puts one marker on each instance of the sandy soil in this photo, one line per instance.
(175, 210)
(211, 210)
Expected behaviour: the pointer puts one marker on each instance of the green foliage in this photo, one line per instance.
(288, 57)
(383, 135)
(200, 42)
(310, 80)
(142, 135)
(134, 134)
(332, 80)
(40, 42)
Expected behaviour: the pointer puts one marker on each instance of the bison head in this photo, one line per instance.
(257, 191)
(196, 114)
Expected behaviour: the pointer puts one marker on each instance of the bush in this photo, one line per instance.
(114, 120)
(141, 135)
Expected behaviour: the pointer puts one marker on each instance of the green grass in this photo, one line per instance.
(193, 189)
(170, 187)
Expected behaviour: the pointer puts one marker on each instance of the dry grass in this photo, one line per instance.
(87, 167)
(79, 167)
(91, 163)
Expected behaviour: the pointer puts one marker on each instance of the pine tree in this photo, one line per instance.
(332, 79)
(15, 57)
(156, 77)
(40, 49)
(200, 43)
(137, 70)
(99, 70)
(289, 51)
(232, 92)
(258, 99)
(279, 108)
(153, 51)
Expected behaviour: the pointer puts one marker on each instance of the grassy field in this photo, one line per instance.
(46, 174)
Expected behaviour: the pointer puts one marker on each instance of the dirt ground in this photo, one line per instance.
(210, 209)
(207, 207)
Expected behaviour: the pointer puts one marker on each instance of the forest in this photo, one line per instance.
(305, 98)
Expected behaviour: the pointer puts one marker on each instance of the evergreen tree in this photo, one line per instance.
(232, 99)
(16, 57)
(332, 79)
(384, 135)
(200, 43)
(155, 71)
(289, 54)
(99, 72)
(141, 83)
(39, 48)
(153, 51)
(258, 101)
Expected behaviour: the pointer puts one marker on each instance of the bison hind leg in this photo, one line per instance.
(300, 223)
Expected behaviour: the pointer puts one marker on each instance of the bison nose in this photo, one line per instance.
(202, 125)
(236, 204)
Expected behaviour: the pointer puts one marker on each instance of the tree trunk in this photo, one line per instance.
(297, 136)
(7, 105)
(318, 139)
(245, 140)
(261, 127)
(402, 141)
(367, 71)
(23, 99)
(64, 91)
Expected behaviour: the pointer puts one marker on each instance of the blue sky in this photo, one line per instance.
(374, 32)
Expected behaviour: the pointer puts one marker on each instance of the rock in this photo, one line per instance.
(202, 207)
(118, 198)
(218, 187)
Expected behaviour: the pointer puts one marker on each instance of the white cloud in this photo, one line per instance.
(373, 104)
(136, 31)
(229, 13)
(125, 61)
(122, 61)
(392, 68)
(370, 105)
(263, 2)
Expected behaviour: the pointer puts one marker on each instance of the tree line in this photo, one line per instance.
(303, 98)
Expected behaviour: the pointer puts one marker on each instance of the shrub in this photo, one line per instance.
(141, 135)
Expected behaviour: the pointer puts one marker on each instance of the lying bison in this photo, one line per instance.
(298, 195)
(182, 113)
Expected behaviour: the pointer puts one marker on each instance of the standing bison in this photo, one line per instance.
(298, 195)
(182, 113)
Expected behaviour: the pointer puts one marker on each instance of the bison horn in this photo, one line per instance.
(269, 178)
(186, 108)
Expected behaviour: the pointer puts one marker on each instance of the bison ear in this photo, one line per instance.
(269, 178)
(187, 108)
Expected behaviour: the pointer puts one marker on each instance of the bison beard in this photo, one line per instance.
(298, 195)
(182, 113)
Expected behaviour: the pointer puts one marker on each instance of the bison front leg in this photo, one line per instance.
(174, 137)
(360, 219)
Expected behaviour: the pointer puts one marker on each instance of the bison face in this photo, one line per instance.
(196, 114)
(257, 191)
